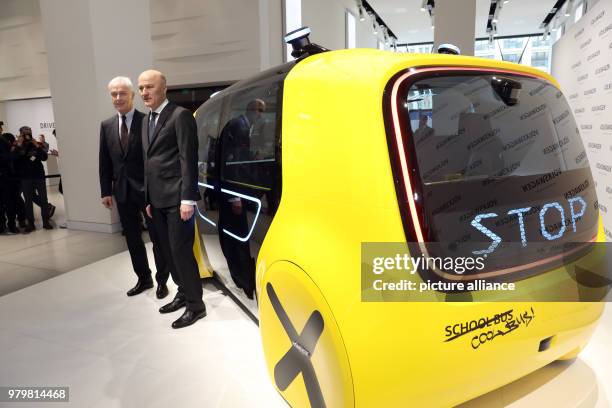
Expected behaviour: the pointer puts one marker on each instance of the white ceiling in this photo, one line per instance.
(23, 62)
(411, 25)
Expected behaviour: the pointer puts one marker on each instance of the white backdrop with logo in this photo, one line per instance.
(582, 63)
(37, 114)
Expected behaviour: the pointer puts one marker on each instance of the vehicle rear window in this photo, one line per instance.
(499, 168)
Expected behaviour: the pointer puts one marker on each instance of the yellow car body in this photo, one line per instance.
(324, 345)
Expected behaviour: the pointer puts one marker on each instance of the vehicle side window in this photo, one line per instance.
(248, 156)
(208, 138)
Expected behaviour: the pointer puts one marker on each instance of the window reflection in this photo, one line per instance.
(240, 175)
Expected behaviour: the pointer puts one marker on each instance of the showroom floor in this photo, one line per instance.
(78, 329)
(40, 255)
(81, 330)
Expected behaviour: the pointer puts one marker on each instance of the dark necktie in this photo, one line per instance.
(152, 125)
(124, 134)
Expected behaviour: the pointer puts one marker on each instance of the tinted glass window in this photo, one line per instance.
(207, 119)
(240, 175)
(501, 166)
(249, 137)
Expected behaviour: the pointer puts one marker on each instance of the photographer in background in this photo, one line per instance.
(14, 186)
(43, 142)
(28, 156)
(7, 199)
(45, 146)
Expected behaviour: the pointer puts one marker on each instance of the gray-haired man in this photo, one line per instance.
(122, 175)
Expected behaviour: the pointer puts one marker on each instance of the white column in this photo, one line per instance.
(271, 45)
(455, 23)
(88, 42)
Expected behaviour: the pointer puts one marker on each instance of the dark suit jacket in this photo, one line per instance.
(121, 170)
(171, 159)
(28, 161)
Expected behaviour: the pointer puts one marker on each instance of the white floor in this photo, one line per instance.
(79, 329)
(26, 259)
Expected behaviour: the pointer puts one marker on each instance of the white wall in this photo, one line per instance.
(327, 21)
(194, 42)
(215, 41)
(37, 114)
(3, 113)
(271, 43)
(582, 63)
(365, 36)
(23, 62)
(454, 23)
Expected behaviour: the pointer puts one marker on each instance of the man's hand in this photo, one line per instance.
(107, 201)
(187, 211)
(149, 213)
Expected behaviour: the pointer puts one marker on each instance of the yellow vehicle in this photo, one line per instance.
(304, 164)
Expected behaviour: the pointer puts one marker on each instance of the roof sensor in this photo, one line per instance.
(302, 47)
(448, 49)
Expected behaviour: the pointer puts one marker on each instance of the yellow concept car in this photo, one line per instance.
(309, 168)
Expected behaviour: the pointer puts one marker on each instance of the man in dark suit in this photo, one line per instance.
(122, 175)
(170, 143)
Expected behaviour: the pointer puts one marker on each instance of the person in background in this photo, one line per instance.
(43, 142)
(423, 131)
(14, 180)
(54, 152)
(45, 146)
(29, 155)
(7, 201)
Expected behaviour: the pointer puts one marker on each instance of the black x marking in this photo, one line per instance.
(297, 359)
